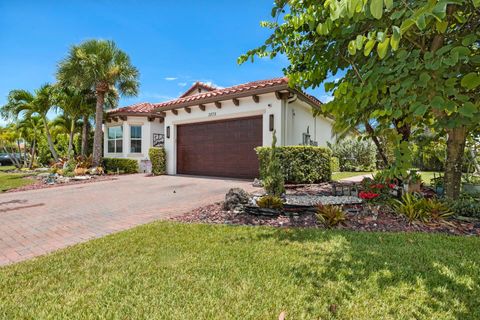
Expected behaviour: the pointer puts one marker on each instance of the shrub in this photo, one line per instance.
(270, 202)
(273, 180)
(299, 164)
(120, 165)
(335, 164)
(466, 205)
(158, 158)
(330, 215)
(411, 207)
(435, 209)
(354, 154)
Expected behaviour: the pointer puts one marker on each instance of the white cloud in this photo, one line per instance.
(211, 83)
(170, 78)
(182, 84)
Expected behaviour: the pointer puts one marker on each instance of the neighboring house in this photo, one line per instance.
(213, 131)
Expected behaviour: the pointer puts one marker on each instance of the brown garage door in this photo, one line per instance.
(220, 148)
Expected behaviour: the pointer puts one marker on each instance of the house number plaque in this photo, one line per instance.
(212, 114)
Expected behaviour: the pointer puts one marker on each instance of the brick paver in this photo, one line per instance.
(36, 222)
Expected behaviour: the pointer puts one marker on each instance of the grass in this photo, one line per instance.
(12, 180)
(343, 175)
(179, 271)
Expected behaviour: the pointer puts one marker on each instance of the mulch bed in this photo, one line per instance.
(384, 222)
(41, 185)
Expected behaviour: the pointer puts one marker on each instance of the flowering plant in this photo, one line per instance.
(376, 190)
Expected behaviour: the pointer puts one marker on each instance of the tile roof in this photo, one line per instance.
(198, 85)
(206, 97)
(142, 107)
(225, 91)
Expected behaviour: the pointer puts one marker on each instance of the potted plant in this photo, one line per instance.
(437, 183)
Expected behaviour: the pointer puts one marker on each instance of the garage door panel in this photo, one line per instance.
(220, 148)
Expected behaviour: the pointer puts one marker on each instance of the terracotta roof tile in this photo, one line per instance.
(142, 107)
(146, 107)
(224, 91)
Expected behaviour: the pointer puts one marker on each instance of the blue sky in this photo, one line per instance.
(172, 43)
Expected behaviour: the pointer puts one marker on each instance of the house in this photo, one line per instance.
(212, 131)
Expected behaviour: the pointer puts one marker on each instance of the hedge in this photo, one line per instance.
(335, 164)
(158, 159)
(120, 165)
(300, 164)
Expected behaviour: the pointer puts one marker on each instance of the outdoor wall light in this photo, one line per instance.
(270, 123)
(168, 132)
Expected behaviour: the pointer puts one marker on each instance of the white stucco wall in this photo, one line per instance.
(148, 129)
(290, 121)
(299, 117)
(267, 105)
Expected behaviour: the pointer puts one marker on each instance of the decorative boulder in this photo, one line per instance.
(235, 199)
(257, 183)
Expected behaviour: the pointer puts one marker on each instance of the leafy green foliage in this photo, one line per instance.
(330, 215)
(354, 154)
(273, 180)
(158, 158)
(436, 209)
(299, 164)
(335, 164)
(114, 165)
(270, 202)
(466, 205)
(409, 65)
(412, 207)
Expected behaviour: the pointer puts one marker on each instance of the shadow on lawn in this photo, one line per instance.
(407, 275)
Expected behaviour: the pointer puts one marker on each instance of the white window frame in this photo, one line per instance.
(114, 139)
(135, 139)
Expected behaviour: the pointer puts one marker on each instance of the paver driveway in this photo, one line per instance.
(36, 222)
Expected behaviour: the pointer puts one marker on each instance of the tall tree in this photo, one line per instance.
(26, 104)
(408, 64)
(100, 66)
(31, 129)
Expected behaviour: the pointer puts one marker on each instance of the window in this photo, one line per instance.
(136, 139)
(115, 139)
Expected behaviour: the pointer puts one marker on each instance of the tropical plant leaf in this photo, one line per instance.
(382, 48)
(470, 81)
(394, 42)
(376, 8)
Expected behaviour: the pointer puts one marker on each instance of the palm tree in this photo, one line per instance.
(73, 103)
(40, 103)
(101, 66)
(30, 128)
(65, 124)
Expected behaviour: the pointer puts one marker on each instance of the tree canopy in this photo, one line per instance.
(409, 65)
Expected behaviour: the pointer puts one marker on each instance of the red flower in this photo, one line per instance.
(392, 185)
(367, 195)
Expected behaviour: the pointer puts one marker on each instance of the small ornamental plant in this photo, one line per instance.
(375, 190)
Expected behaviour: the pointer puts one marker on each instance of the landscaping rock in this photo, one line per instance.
(257, 183)
(312, 200)
(235, 199)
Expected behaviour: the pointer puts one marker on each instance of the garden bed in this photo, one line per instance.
(384, 221)
(40, 184)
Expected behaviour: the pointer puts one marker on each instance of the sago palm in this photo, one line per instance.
(22, 102)
(101, 66)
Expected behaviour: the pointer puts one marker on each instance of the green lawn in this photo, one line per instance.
(179, 271)
(12, 180)
(342, 175)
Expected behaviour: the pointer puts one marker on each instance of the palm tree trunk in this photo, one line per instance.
(98, 137)
(84, 146)
(49, 139)
(32, 153)
(453, 165)
(70, 139)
